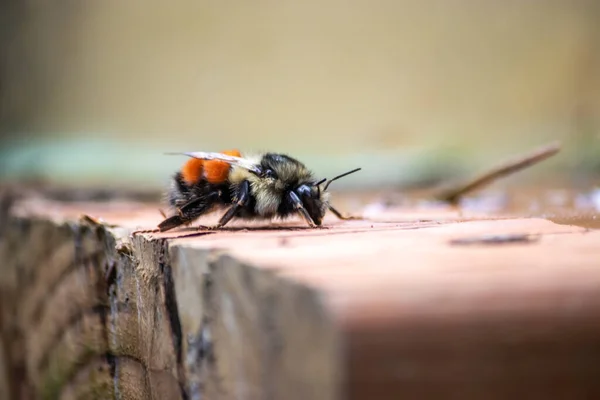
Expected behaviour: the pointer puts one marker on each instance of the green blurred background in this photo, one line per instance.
(415, 92)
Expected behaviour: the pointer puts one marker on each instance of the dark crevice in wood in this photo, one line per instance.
(112, 364)
(172, 313)
(199, 351)
(208, 361)
(102, 294)
(110, 277)
(205, 338)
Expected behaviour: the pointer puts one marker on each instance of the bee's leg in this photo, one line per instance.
(195, 202)
(293, 197)
(243, 196)
(188, 212)
(172, 222)
(340, 215)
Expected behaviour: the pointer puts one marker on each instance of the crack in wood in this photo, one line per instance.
(172, 313)
(207, 359)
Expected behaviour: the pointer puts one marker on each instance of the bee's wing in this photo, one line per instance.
(237, 161)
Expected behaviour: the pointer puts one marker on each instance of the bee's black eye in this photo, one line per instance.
(303, 190)
(269, 173)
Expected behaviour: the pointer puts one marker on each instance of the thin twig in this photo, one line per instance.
(453, 195)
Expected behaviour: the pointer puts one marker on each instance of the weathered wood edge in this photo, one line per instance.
(98, 281)
(182, 321)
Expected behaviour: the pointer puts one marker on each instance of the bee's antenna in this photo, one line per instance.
(320, 182)
(318, 185)
(340, 176)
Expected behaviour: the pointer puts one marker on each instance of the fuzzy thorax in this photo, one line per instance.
(269, 192)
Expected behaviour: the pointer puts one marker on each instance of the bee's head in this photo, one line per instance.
(315, 200)
(320, 197)
(282, 175)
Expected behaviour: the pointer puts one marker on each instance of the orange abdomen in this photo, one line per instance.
(213, 171)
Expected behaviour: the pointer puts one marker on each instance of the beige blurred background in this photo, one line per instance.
(412, 91)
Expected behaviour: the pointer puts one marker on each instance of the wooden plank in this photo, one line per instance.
(382, 308)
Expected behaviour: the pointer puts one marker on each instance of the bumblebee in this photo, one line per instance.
(265, 186)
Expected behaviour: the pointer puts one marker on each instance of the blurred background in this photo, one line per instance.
(415, 92)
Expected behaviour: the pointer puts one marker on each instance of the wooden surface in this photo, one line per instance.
(382, 308)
